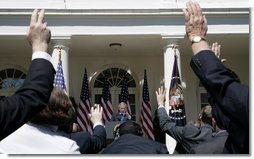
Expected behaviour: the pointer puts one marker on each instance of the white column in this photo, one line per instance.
(62, 45)
(170, 49)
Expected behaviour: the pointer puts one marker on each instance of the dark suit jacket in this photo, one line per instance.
(186, 136)
(29, 99)
(230, 99)
(133, 144)
(89, 144)
(215, 145)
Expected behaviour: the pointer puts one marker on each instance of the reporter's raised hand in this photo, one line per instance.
(38, 34)
(216, 49)
(96, 114)
(195, 27)
(161, 93)
(195, 22)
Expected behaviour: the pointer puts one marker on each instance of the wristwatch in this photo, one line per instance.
(197, 39)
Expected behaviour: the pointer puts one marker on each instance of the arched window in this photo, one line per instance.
(11, 79)
(115, 77)
(203, 95)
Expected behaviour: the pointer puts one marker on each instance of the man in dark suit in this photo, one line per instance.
(230, 99)
(189, 135)
(91, 144)
(34, 94)
(130, 141)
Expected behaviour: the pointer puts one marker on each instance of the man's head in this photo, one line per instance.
(130, 127)
(122, 107)
(59, 110)
(206, 115)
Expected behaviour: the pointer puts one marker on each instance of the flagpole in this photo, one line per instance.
(61, 51)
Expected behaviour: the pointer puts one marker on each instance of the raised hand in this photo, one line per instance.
(38, 34)
(216, 49)
(96, 114)
(195, 22)
(161, 93)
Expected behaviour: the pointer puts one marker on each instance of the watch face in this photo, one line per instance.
(196, 39)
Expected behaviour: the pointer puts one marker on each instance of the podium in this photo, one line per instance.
(109, 126)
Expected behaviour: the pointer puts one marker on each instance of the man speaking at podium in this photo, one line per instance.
(122, 114)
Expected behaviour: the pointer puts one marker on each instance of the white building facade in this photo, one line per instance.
(146, 31)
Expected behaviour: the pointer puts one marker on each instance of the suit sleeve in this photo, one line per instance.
(232, 97)
(163, 149)
(90, 144)
(30, 98)
(98, 139)
(168, 126)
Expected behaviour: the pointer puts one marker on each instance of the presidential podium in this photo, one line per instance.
(109, 126)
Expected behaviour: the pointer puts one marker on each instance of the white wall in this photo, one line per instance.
(118, 4)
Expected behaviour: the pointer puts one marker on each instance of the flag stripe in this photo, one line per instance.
(124, 96)
(146, 113)
(147, 116)
(83, 110)
(106, 101)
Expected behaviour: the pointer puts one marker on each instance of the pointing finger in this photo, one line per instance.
(41, 16)
(34, 17)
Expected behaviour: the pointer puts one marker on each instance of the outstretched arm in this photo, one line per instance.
(34, 94)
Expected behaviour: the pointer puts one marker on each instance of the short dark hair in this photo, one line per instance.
(130, 127)
(59, 110)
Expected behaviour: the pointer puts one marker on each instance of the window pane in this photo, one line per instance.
(132, 104)
(106, 72)
(3, 74)
(97, 98)
(23, 76)
(11, 78)
(121, 73)
(114, 71)
(99, 81)
(204, 97)
(18, 74)
(132, 83)
(111, 81)
(10, 72)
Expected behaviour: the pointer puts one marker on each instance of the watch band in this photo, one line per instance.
(197, 39)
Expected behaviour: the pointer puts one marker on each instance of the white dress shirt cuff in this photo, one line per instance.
(42, 55)
(97, 123)
(161, 106)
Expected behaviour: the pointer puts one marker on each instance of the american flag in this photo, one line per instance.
(106, 101)
(124, 96)
(177, 110)
(59, 78)
(83, 110)
(146, 113)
